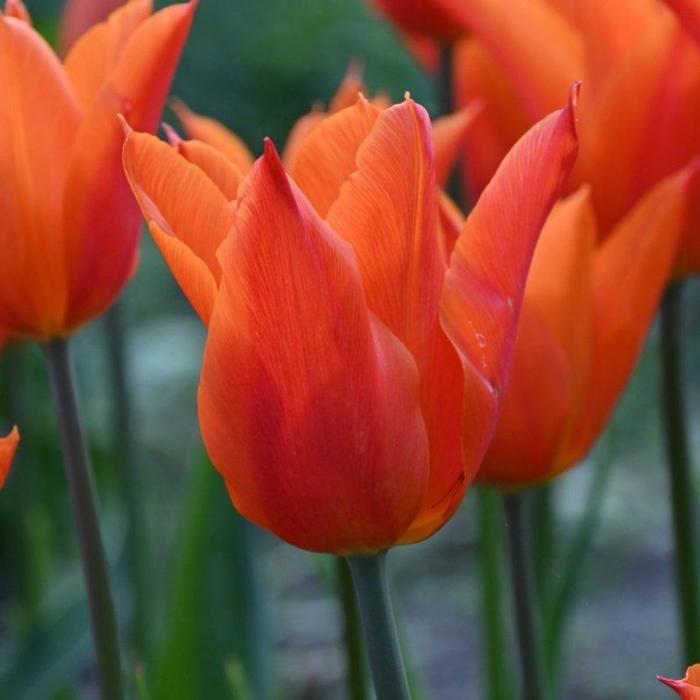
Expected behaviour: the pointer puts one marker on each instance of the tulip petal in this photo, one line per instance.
(538, 49)
(8, 448)
(219, 169)
(688, 12)
(484, 285)
(79, 16)
(297, 135)
(215, 134)
(449, 135)
(388, 211)
(308, 405)
(689, 687)
(184, 204)
(39, 117)
(97, 52)
(632, 269)
(551, 358)
(326, 158)
(350, 88)
(101, 219)
(18, 10)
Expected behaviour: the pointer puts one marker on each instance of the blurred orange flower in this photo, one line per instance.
(331, 400)
(587, 310)
(641, 101)
(68, 215)
(8, 447)
(689, 687)
(439, 20)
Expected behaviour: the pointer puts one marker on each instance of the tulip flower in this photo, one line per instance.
(60, 161)
(80, 15)
(689, 687)
(577, 340)
(639, 114)
(327, 380)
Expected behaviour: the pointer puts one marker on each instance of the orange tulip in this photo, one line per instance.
(79, 15)
(641, 106)
(331, 400)
(587, 310)
(689, 687)
(68, 215)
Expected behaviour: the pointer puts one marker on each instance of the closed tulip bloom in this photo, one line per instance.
(689, 687)
(587, 310)
(68, 215)
(639, 114)
(331, 400)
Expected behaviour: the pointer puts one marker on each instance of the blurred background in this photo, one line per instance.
(225, 611)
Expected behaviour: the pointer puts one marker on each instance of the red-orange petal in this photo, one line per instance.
(308, 405)
(185, 205)
(297, 135)
(215, 134)
(689, 687)
(688, 12)
(101, 219)
(484, 285)
(326, 158)
(8, 448)
(440, 20)
(40, 118)
(388, 211)
(449, 134)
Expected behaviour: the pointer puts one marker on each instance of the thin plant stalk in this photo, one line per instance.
(491, 569)
(679, 468)
(528, 631)
(372, 590)
(356, 673)
(125, 458)
(83, 497)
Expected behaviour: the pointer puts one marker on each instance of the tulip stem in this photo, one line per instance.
(356, 672)
(527, 621)
(82, 492)
(684, 524)
(377, 616)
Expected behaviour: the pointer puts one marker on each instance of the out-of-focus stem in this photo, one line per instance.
(527, 621)
(491, 570)
(682, 501)
(377, 615)
(356, 673)
(83, 497)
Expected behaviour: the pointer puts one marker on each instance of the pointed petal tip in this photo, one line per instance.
(174, 139)
(125, 125)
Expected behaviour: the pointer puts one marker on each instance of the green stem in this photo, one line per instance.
(372, 590)
(684, 525)
(352, 634)
(82, 491)
(125, 459)
(527, 622)
(544, 546)
(490, 548)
